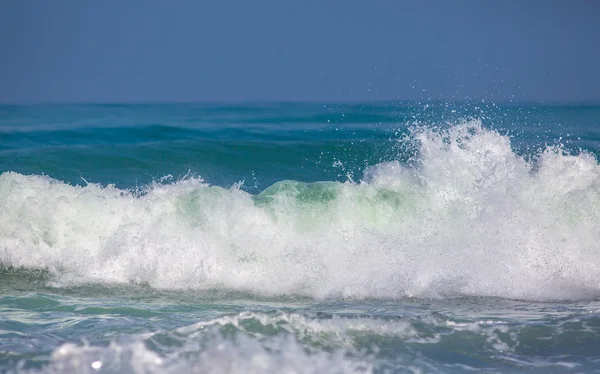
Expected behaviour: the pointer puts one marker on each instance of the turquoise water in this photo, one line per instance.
(387, 237)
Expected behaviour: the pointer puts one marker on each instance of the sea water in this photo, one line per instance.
(300, 238)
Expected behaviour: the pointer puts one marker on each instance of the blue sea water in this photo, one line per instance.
(300, 238)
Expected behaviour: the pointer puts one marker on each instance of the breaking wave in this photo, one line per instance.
(466, 216)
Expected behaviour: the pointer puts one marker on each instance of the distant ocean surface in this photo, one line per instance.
(415, 237)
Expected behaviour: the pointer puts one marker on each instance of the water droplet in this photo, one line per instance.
(96, 365)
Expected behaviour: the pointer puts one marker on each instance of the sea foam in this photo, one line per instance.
(242, 355)
(467, 216)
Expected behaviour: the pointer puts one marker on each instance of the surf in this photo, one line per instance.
(462, 215)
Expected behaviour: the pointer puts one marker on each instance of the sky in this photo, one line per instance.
(313, 50)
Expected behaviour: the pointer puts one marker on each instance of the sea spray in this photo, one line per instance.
(466, 217)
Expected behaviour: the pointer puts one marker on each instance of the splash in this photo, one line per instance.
(468, 217)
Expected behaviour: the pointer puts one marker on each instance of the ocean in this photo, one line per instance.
(386, 237)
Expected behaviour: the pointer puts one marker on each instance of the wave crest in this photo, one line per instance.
(468, 217)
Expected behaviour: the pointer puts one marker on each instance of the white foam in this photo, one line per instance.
(242, 355)
(336, 331)
(470, 218)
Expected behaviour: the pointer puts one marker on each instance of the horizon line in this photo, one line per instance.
(503, 102)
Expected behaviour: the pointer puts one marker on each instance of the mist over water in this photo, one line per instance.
(398, 238)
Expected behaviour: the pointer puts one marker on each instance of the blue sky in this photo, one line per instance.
(188, 51)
